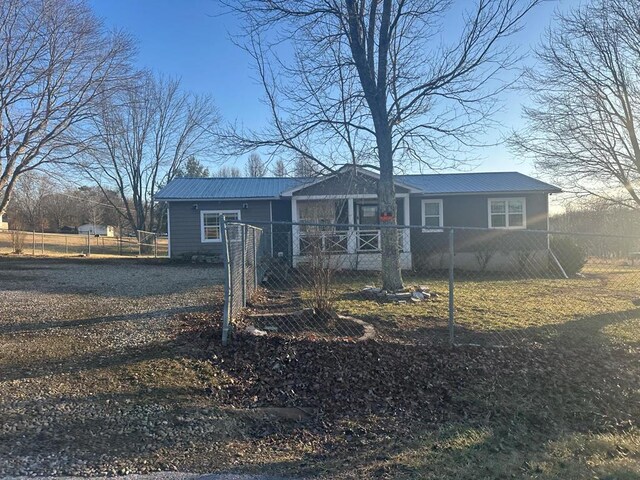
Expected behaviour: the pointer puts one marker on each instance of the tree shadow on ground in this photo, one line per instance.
(104, 278)
(187, 344)
(23, 327)
(383, 409)
(384, 405)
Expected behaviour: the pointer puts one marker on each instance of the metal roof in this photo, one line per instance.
(227, 188)
(465, 183)
(431, 184)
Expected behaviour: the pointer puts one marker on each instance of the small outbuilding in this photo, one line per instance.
(99, 230)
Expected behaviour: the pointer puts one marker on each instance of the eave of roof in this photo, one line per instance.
(273, 188)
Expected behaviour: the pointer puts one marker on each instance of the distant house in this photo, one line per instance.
(3, 225)
(100, 230)
(507, 202)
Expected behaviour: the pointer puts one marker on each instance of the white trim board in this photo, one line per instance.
(437, 229)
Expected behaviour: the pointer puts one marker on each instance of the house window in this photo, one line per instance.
(432, 216)
(507, 213)
(210, 223)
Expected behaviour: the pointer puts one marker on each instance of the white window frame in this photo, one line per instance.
(506, 212)
(438, 229)
(219, 212)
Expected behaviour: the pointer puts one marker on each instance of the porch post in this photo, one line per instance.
(295, 232)
(406, 232)
(351, 236)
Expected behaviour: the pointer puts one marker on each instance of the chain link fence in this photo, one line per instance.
(472, 286)
(57, 244)
(242, 251)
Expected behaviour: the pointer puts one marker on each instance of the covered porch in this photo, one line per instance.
(343, 228)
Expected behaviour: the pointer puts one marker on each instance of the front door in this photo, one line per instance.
(368, 237)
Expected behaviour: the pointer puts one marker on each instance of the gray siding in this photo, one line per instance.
(472, 211)
(185, 223)
(282, 233)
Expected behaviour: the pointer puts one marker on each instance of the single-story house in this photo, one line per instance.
(99, 230)
(3, 225)
(506, 202)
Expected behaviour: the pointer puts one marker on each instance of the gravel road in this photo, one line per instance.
(100, 375)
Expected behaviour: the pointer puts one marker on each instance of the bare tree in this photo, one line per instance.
(582, 127)
(29, 202)
(255, 166)
(306, 167)
(143, 137)
(228, 172)
(280, 169)
(370, 79)
(57, 61)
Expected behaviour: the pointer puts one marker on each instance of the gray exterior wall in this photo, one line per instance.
(472, 211)
(459, 211)
(184, 220)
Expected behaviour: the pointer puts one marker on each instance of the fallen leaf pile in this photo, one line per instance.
(344, 379)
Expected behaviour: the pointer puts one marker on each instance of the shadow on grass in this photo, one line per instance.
(385, 409)
(388, 408)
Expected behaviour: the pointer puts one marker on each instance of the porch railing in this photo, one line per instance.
(338, 242)
(368, 240)
(324, 241)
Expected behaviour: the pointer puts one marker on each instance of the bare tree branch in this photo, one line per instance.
(582, 126)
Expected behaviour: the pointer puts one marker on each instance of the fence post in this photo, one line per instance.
(451, 286)
(42, 243)
(139, 243)
(66, 245)
(33, 245)
(255, 260)
(244, 264)
(155, 246)
(228, 294)
(88, 244)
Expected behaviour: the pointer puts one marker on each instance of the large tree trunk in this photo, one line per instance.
(391, 273)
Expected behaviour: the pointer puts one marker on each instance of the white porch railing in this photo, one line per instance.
(368, 240)
(338, 242)
(326, 241)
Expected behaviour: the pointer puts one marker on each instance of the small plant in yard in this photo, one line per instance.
(320, 271)
(484, 254)
(18, 240)
(571, 256)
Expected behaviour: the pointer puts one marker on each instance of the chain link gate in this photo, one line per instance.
(240, 254)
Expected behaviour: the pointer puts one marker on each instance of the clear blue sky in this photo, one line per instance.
(189, 39)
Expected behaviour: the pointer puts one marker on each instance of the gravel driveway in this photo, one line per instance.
(100, 375)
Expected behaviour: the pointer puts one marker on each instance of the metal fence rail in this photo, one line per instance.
(461, 285)
(61, 244)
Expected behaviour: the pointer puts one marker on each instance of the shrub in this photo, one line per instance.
(571, 256)
(18, 240)
(484, 253)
